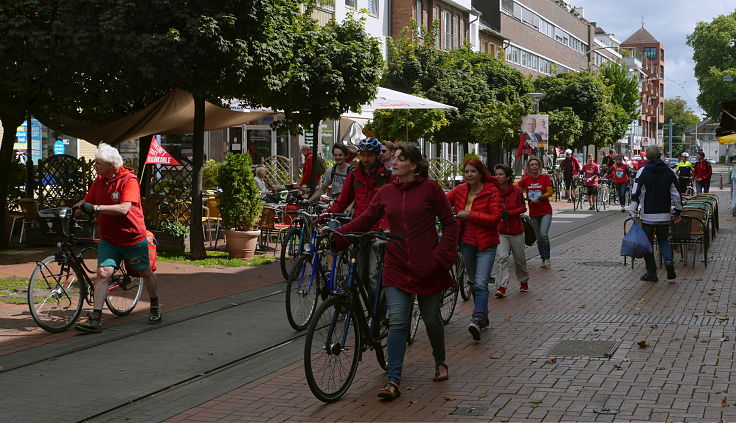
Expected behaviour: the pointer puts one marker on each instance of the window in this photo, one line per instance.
(418, 14)
(446, 29)
(650, 52)
(507, 6)
(661, 71)
(373, 7)
(661, 90)
(661, 54)
(351, 3)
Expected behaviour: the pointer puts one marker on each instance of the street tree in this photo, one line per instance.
(407, 125)
(336, 68)
(565, 127)
(683, 119)
(625, 98)
(714, 53)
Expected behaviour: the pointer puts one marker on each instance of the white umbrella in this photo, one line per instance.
(390, 99)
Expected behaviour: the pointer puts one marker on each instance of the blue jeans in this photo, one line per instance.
(478, 264)
(541, 226)
(699, 188)
(399, 305)
(663, 237)
(621, 190)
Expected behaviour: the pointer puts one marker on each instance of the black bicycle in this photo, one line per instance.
(347, 325)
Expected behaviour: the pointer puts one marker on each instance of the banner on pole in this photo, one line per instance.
(524, 147)
(536, 129)
(158, 155)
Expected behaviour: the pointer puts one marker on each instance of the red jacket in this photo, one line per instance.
(360, 187)
(485, 213)
(307, 171)
(703, 171)
(574, 163)
(420, 263)
(512, 201)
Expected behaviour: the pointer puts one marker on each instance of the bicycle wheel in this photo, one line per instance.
(380, 338)
(55, 294)
(291, 248)
(302, 293)
(464, 285)
(332, 349)
(415, 318)
(605, 197)
(449, 300)
(123, 293)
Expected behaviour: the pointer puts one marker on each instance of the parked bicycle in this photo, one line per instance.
(297, 238)
(345, 326)
(61, 284)
(604, 194)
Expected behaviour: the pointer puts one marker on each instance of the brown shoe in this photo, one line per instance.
(390, 391)
(440, 373)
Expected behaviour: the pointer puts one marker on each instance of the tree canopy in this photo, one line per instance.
(683, 119)
(714, 53)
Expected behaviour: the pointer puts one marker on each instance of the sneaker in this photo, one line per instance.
(477, 324)
(545, 264)
(649, 278)
(154, 316)
(670, 271)
(524, 287)
(92, 325)
(501, 292)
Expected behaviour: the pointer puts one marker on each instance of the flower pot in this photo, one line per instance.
(171, 244)
(241, 244)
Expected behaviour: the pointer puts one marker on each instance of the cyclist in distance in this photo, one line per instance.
(360, 187)
(421, 262)
(115, 197)
(590, 181)
(570, 168)
(684, 172)
(335, 176)
(538, 189)
(620, 174)
(477, 205)
(511, 231)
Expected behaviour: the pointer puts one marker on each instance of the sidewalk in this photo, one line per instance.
(687, 328)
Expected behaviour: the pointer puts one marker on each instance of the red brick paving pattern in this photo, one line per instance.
(683, 374)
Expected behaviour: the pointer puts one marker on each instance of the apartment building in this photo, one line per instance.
(652, 87)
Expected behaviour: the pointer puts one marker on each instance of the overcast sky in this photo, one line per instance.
(669, 21)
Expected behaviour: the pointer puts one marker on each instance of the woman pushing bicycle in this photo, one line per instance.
(419, 265)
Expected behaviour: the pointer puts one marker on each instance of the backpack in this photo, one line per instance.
(319, 167)
(332, 173)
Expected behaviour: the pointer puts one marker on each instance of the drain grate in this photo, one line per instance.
(469, 411)
(582, 348)
(602, 263)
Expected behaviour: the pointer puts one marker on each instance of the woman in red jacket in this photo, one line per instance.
(478, 207)
(419, 265)
(511, 231)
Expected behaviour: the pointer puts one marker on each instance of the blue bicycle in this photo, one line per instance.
(316, 273)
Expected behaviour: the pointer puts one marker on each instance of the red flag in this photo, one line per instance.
(157, 154)
(524, 147)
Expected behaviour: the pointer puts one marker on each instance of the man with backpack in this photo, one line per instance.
(335, 176)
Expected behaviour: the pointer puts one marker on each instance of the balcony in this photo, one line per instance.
(460, 4)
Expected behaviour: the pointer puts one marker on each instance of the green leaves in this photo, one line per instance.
(240, 201)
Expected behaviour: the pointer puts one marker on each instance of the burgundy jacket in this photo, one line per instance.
(704, 171)
(420, 263)
(485, 212)
(512, 201)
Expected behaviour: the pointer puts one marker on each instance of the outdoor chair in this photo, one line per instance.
(212, 216)
(28, 216)
(269, 227)
(688, 233)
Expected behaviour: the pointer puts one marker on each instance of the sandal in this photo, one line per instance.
(390, 391)
(438, 376)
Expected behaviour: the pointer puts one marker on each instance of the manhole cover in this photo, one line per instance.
(470, 411)
(579, 347)
(603, 263)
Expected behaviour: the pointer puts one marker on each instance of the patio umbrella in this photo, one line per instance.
(727, 139)
(390, 99)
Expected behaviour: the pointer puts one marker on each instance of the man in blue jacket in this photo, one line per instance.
(655, 190)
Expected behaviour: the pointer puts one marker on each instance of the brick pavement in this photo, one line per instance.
(683, 374)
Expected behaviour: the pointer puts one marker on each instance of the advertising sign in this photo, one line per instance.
(536, 129)
(158, 155)
(59, 147)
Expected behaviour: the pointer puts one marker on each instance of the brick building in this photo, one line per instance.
(652, 87)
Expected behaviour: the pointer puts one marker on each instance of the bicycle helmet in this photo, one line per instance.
(369, 144)
(568, 151)
(685, 155)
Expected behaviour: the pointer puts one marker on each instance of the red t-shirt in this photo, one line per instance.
(123, 187)
(537, 187)
(591, 170)
(620, 173)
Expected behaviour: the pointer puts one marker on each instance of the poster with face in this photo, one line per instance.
(536, 130)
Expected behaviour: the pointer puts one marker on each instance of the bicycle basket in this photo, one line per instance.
(57, 219)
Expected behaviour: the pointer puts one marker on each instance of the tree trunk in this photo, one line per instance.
(196, 235)
(315, 150)
(10, 123)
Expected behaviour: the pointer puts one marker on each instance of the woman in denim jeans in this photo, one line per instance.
(477, 203)
(537, 188)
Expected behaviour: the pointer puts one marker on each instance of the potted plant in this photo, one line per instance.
(172, 237)
(240, 205)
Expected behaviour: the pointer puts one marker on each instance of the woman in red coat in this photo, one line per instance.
(419, 265)
(511, 230)
(478, 206)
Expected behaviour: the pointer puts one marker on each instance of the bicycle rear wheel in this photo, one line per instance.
(291, 248)
(449, 301)
(302, 293)
(123, 293)
(380, 337)
(415, 319)
(461, 278)
(332, 349)
(55, 294)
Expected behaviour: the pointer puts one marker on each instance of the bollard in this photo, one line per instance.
(721, 184)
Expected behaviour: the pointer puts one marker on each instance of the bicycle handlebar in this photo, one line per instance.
(385, 236)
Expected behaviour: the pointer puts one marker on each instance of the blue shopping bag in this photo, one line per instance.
(635, 243)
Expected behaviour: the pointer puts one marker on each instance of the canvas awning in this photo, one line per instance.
(170, 114)
(727, 124)
(390, 99)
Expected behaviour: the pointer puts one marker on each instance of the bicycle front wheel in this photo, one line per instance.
(415, 318)
(55, 295)
(302, 293)
(461, 278)
(449, 301)
(291, 248)
(123, 293)
(332, 349)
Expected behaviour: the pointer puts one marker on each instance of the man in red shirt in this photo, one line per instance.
(115, 197)
(620, 175)
(702, 173)
(590, 181)
(308, 180)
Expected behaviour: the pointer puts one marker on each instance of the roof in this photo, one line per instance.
(641, 36)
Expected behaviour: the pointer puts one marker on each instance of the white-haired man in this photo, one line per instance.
(115, 197)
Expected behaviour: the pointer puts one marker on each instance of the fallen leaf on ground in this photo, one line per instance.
(722, 340)
(710, 311)
(581, 306)
(483, 396)
(494, 357)
(412, 402)
(552, 360)
(617, 367)
(507, 317)
(722, 318)
(724, 403)
(532, 361)
(643, 300)
(637, 309)
(703, 341)
(654, 326)
(711, 292)
(536, 401)
(410, 388)
(448, 398)
(642, 344)
(627, 359)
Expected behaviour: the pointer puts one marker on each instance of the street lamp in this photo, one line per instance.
(537, 97)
